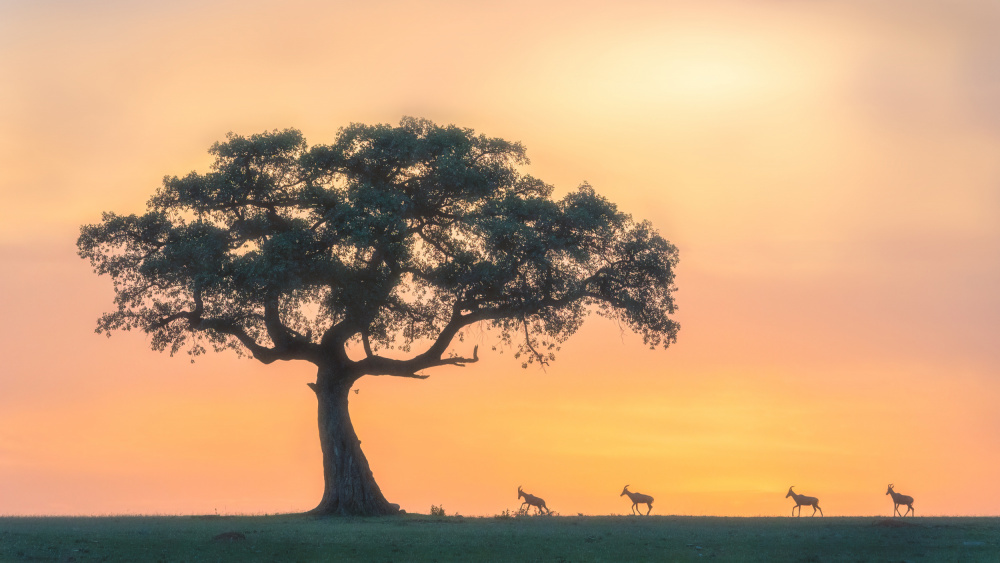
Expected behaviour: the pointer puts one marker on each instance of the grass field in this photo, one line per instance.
(426, 538)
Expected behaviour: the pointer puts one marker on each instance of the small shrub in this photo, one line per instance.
(522, 512)
(437, 510)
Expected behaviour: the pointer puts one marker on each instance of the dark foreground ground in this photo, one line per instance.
(425, 538)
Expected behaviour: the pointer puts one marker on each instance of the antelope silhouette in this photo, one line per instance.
(803, 500)
(637, 499)
(898, 499)
(532, 500)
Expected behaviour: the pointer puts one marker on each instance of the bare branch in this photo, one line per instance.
(366, 343)
(527, 341)
(412, 375)
(378, 365)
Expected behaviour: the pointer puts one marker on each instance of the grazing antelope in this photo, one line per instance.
(898, 499)
(803, 500)
(532, 500)
(637, 499)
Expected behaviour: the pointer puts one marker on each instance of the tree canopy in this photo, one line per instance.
(387, 237)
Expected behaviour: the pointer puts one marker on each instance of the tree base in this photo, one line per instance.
(391, 509)
(349, 486)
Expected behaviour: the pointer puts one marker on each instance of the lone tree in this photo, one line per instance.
(391, 238)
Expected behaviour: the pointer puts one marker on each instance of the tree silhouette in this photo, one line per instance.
(385, 244)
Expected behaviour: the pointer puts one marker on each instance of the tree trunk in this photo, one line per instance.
(349, 486)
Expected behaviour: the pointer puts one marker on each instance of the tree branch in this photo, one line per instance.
(366, 343)
(527, 341)
(291, 350)
(377, 365)
(272, 321)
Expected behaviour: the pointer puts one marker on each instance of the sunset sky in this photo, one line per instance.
(829, 170)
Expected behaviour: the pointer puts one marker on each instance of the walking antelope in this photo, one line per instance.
(898, 499)
(637, 499)
(803, 500)
(532, 500)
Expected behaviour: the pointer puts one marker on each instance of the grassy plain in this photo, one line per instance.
(427, 538)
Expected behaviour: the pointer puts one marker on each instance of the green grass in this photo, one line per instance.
(425, 538)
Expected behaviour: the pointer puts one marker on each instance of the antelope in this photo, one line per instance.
(803, 500)
(898, 499)
(532, 500)
(637, 499)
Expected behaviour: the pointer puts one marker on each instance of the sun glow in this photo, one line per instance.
(677, 71)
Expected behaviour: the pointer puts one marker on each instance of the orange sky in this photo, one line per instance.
(829, 170)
